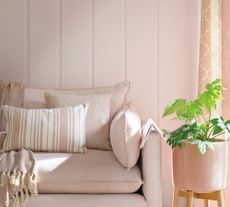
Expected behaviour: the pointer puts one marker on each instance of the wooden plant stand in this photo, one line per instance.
(190, 195)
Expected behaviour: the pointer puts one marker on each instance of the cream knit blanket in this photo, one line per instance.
(17, 178)
(12, 94)
(17, 169)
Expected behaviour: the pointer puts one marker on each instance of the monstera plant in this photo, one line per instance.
(203, 126)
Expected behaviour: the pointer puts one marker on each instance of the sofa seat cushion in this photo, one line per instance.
(88, 200)
(94, 172)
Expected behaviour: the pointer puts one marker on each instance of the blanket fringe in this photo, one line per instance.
(25, 183)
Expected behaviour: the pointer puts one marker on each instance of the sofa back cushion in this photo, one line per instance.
(48, 130)
(35, 98)
(97, 120)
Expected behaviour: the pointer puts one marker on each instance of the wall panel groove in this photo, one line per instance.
(92, 43)
(27, 41)
(156, 89)
(60, 44)
(125, 39)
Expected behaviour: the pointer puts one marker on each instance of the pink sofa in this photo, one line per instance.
(97, 179)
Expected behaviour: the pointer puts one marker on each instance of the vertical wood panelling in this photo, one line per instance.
(44, 41)
(84, 43)
(142, 55)
(76, 43)
(12, 40)
(108, 42)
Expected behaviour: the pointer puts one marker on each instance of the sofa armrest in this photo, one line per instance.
(151, 170)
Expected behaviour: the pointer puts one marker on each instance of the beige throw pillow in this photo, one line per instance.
(97, 121)
(125, 136)
(47, 130)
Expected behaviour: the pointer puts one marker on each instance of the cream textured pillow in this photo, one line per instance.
(97, 121)
(49, 130)
(125, 136)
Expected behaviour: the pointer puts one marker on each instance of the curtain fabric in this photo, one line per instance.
(226, 77)
(226, 58)
(215, 53)
(210, 42)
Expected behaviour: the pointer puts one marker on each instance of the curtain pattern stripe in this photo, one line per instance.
(210, 65)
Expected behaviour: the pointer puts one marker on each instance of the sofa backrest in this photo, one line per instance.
(97, 132)
(35, 97)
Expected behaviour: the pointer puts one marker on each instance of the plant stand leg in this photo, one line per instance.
(175, 202)
(220, 198)
(189, 198)
(206, 203)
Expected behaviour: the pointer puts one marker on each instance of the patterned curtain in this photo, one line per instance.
(226, 58)
(215, 53)
(210, 42)
(226, 77)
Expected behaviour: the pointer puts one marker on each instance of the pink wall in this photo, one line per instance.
(85, 43)
(178, 68)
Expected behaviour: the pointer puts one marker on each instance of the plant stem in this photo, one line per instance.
(208, 126)
(217, 135)
(211, 131)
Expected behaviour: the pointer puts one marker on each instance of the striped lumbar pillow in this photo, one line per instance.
(49, 130)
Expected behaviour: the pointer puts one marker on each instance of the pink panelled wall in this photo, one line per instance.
(174, 82)
(226, 75)
(86, 43)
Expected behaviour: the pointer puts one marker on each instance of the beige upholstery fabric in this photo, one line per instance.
(151, 170)
(96, 171)
(88, 200)
(49, 130)
(34, 98)
(125, 136)
(97, 120)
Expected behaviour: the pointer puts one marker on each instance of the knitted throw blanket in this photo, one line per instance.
(17, 178)
(17, 169)
(12, 94)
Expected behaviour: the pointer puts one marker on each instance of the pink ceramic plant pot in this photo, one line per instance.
(200, 173)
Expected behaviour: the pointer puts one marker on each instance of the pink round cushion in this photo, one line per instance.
(125, 136)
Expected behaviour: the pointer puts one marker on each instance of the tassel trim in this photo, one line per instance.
(24, 183)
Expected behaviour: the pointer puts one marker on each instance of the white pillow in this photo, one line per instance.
(125, 136)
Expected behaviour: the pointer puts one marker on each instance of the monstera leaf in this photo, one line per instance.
(198, 129)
